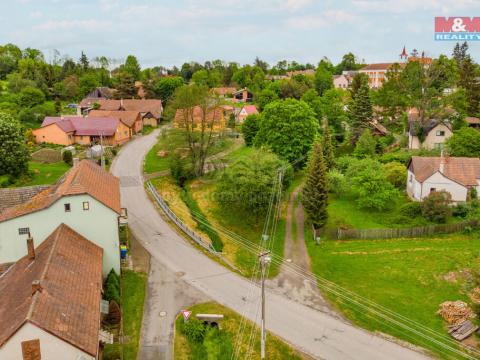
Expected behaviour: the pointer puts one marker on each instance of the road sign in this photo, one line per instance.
(186, 314)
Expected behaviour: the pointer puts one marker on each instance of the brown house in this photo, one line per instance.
(132, 119)
(68, 130)
(50, 300)
(150, 109)
(242, 95)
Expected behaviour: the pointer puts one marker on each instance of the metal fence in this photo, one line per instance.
(404, 232)
(192, 234)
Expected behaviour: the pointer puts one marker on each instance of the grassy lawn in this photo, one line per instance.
(41, 174)
(221, 344)
(170, 141)
(133, 297)
(404, 275)
(133, 292)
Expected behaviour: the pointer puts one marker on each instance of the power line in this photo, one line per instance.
(355, 299)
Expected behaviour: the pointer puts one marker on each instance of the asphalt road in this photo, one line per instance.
(316, 333)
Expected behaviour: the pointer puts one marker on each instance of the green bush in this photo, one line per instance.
(114, 151)
(396, 174)
(461, 210)
(411, 209)
(180, 169)
(436, 206)
(336, 182)
(194, 330)
(112, 287)
(67, 157)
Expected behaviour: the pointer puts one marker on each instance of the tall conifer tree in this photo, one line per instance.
(314, 193)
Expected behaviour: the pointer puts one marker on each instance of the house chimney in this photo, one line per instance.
(36, 286)
(121, 102)
(76, 161)
(30, 248)
(442, 163)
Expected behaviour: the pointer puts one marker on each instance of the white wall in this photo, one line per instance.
(414, 188)
(99, 224)
(51, 347)
(440, 182)
(431, 139)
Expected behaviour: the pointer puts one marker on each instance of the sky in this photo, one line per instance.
(167, 33)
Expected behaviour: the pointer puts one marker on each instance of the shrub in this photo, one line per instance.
(344, 162)
(112, 287)
(114, 151)
(436, 206)
(250, 129)
(397, 156)
(67, 157)
(411, 209)
(180, 170)
(396, 174)
(336, 182)
(194, 330)
(366, 145)
(461, 210)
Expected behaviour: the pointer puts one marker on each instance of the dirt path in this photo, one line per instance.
(287, 282)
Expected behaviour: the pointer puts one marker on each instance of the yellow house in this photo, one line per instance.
(215, 118)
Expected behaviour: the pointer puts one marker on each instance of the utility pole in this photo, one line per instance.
(264, 261)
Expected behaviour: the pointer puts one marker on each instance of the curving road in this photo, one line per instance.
(316, 333)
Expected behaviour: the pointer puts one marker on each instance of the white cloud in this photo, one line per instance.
(403, 6)
(327, 18)
(296, 4)
(85, 25)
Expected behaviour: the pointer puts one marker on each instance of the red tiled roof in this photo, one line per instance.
(465, 171)
(472, 120)
(153, 106)
(379, 66)
(85, 178)
(250, 109)
(69, 269)
(224, 90)
(93, 126)
(126, 117)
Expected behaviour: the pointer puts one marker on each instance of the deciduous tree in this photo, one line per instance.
(14, 155)
(288, 128)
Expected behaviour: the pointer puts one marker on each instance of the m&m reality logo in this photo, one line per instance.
(460, 28)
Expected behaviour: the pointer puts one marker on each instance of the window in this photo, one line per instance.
(411, 178)
(23, 231)
(67, 207)
(440, 133)
(86, 205)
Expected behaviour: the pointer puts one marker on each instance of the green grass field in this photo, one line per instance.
(40, 174)
(170, 141)
(403, 275)
(227, 340)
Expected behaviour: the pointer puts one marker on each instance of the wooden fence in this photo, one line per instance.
(404, 232)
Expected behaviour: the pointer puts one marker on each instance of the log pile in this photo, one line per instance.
(455, 312)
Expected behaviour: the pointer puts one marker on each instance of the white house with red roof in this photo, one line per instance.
(50, 300)
(86, 198)
(246, 111)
